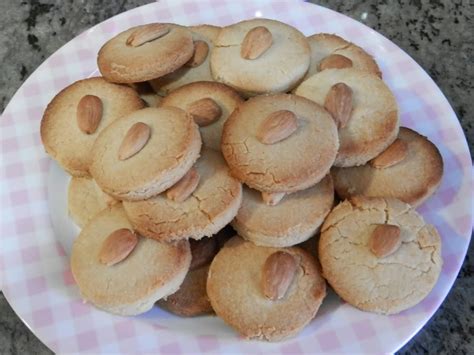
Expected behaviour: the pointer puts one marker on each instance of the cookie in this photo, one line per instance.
(296, 162)
(415, 175)
(194, 98)
(206, 209)
(123, 273)
(86, 199)
(262, 292)
(61, 133)
(326, 52)
(260, 56)
(368, 106)
(145, 52)
(293, 220)
(145, 153)
(197, 68)
(379, 255)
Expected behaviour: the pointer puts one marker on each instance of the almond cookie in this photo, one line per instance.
(280, 143)
(121, 272)
(329, 51)
(145, 52)
(262, 292)
(199, 205)
(145, 153)
(379, 255)
(260, 56)
(77, 114)
(293, 220)
(363, 107)
(410, 169)
(86, 199)
(210, 104)
(197, 68)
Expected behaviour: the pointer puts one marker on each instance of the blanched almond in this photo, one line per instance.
(180, 191)
(394, 154)
(339, 103)
(384, 240)
(256, 42)
(117, 246)
(201, 50)
(278, 273)
(202, 251)
(204, 111)
(147, 33)
(272, 198)
(134, 141)
(335, 61)
(89, 113)
(277, 126)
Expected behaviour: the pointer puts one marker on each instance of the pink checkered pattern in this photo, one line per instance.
(34, 267)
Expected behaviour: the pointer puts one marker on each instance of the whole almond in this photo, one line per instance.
(202, 252)
(278, 273)
(256, 42)
(180, 191)
(134, 141)
(117, 246)
(89, 113)
(339, 103)
(204, 111)
(335, 61)
(272, 198)
(394, 154)
(201, 50)
(384, 240)
(147, 33)
(277, 126)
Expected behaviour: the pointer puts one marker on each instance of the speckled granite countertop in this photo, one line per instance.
(437, 34)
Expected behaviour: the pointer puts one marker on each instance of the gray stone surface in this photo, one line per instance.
(438, 34)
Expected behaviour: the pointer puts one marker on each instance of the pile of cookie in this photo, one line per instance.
(204, 167)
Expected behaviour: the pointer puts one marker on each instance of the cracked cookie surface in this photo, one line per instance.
(386, 285)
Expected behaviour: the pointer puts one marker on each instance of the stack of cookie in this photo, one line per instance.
(219, 196)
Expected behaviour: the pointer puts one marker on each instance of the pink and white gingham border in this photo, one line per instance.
(34, 268)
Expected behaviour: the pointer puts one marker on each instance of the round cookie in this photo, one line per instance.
(374, 121)
(225, 97)
(387, 283)
(212, 205)
(86, 199)
(412, 180)
(151, 271)
(278, 69)
(199, 71)
(295, 163)
(293, 220)
(237, 291)
(62, 138)
(170, 151)
(145, 52)
(325, 44)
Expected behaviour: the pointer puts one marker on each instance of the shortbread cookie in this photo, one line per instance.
(410, 170)
(262, 292)
(210, 204)
(294, 219)
(77, 114)
(144, 153)
(280, 143)
(122, 272)
(379, 255)
(331, 51)
(371, 112)
(86, 199)
(145, 52)
(211, 103)
(197, 68)
(260, 56)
